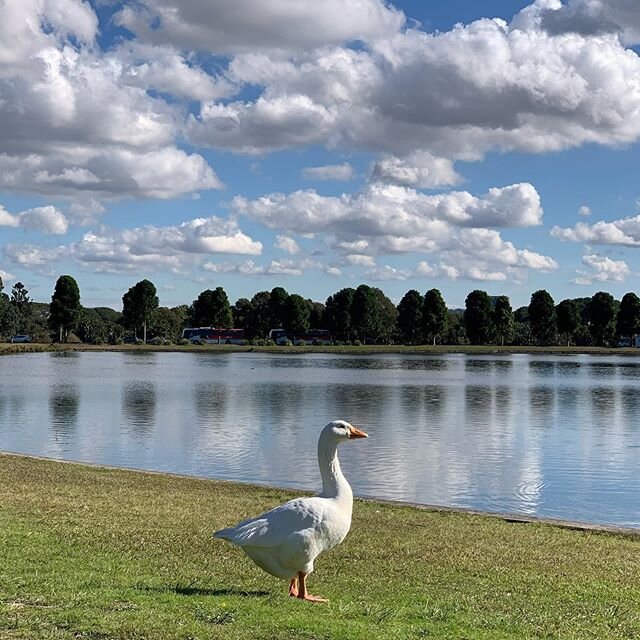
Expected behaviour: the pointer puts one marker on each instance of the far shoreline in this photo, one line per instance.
(368, 350)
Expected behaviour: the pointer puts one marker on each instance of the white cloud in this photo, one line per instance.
(339, 172)
(388, 273)
(77, 121)
(47, 219)
(420, 170)
(273, 268)
(108, 173)
(601, 269)
(584, 211)
(625, 232)
(459, 94)
(222, 27)
(176, 248)
(388, 219)
(360, 260)
(6, 275)
(590, 17)
(287, 244)
(386, 209)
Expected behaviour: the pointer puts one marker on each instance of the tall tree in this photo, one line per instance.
(277, 301)
(387, 318)
(568, 318)
(316, 314)
(542, 317)
(435, 315)
(22, 304)
(502, 319)
(241, 313)
(410, 316)
(64, 308)
(338, 313)
(602, 312)
(296, 314)
(260, 322)
(212, 309)
(629, 316)
(138, 304)
(365, 313)
(477, 317)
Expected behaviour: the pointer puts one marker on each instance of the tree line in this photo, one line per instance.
(361, 315)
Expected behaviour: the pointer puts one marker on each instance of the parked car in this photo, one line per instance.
(21, 338)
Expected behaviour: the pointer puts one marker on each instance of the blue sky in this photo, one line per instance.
(317, 145)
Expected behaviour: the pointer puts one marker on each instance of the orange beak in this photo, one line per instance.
(357, 433)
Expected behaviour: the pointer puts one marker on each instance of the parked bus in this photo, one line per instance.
(211, 335)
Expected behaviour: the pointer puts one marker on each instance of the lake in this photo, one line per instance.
(552, 436)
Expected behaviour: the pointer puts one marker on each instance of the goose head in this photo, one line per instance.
(340, 430)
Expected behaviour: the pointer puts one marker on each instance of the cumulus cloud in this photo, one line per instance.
(173, 247)
(601, 269)
(273, 268)
(77, 121)
(584, 211)
(47, 219)
(387, 209)
(287, 244)
(589, 17)
(489, 85)
(339, 172)
(625, 232)
(222, 27)
(420, 170)
(108, 173)
(389, 219)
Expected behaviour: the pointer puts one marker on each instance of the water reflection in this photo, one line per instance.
(542, 368)
(541, 404)
(139, 406)
(445, 430)
(64, 401)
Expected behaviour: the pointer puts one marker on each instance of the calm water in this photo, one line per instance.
(550, 436)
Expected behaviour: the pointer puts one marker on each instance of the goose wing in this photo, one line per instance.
(273, 528)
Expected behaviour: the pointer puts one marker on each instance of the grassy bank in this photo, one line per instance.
(90, 553)
(6, 349)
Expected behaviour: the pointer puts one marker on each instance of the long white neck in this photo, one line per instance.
(334, 484)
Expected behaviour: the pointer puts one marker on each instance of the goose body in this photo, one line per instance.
(286, 540)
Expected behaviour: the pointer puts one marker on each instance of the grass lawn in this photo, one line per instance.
(89, 553)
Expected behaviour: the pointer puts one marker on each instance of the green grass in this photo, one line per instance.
(89, 553)
(7, 349)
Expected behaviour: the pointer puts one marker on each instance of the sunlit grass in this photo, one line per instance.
(98, 553)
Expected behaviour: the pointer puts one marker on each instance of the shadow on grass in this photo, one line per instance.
(192, 590)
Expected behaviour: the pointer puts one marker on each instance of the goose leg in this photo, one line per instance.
(302, 591)
(293, 588)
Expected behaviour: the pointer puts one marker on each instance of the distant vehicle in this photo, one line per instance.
(130, 340)
(211, 335)
(21, 338)
(629, 342)
(279, 336)
(313, 336)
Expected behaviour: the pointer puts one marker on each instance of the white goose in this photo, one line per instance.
(286, 540)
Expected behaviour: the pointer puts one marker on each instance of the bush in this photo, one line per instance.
(98, 341)
(118, 341)
(269, 343)
(183, 342)
(256, 342)
(157, 341)
(357, 343)
(166, 342)
(287, 343)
